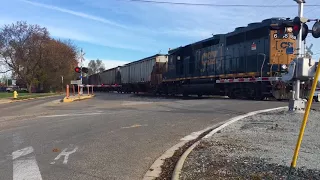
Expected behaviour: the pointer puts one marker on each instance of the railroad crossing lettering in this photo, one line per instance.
(66, 154)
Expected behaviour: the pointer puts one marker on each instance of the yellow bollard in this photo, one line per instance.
(305, 118)
(15, 94)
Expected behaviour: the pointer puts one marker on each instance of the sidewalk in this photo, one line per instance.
(258, 147)
(5, 100)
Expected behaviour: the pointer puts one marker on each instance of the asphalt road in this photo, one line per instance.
(112, 136)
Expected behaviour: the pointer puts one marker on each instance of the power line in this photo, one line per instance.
(219, 5)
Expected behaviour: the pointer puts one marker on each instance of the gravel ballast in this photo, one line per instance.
(258, 147)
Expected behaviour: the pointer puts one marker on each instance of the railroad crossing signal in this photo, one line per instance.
(83, 69)
(309, 49)
(316, 30)
(296, 24)
(77, 70)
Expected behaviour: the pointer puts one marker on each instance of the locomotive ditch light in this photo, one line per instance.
(284, 66)
(316, 30)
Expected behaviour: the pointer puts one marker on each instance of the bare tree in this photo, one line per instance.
(95, 66)
(21, 47)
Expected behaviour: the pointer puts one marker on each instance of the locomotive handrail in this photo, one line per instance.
(264, 59)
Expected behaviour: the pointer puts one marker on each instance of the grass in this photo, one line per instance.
(5, 95)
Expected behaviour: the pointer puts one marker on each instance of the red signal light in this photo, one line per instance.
(296, 28)
(77, 69)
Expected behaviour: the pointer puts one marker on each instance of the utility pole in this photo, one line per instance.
(296, 103)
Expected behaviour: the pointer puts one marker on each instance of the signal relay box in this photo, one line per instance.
(305, 68)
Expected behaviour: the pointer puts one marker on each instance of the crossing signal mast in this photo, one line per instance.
(301, 68)
(81, 69)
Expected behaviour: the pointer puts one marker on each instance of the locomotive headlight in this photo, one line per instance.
(289, 29)
(284, 66)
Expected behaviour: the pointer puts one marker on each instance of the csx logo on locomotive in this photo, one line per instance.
(209, 57)
(284, 45)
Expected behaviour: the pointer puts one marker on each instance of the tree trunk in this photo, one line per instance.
(29, 87)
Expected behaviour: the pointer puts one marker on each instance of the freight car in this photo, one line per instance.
(143, 75)
(108, 80)
(245, 63)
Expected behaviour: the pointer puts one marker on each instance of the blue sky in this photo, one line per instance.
(119, 31)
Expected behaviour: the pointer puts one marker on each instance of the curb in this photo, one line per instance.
(77, 98)
(155, 169)
(179, 165)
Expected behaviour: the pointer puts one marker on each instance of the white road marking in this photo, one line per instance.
(25, 168)
(66, 154)
(63, 115)
(130, 103)
(134, 126)
(22, 152)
